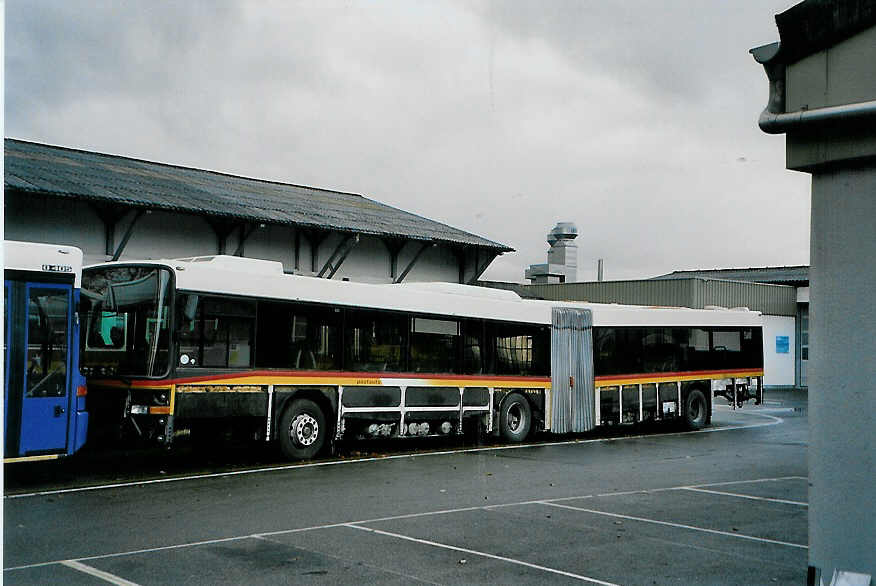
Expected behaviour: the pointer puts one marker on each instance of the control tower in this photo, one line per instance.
(562, 257)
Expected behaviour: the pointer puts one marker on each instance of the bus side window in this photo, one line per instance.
(726, 347)
(224, 334)
(434, 345)
(297, 336)
(698, 350)
(473, 347)
(374, 341)
(519, 348)
(659, 350)
(189, 330)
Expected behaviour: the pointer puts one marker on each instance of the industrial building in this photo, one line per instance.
(781, 294)
(115, 207)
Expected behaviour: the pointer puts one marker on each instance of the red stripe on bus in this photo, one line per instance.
(391, 375)
(327, 374)
(675, 374)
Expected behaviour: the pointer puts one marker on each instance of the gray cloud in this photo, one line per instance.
(497, 117)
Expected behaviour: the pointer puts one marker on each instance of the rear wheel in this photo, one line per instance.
(515, 418)
(303, 430)
(696, 410)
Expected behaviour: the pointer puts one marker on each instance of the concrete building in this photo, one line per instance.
(116, 207)
(822, 81)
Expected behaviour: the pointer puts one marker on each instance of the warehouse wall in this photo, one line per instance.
(165, 234)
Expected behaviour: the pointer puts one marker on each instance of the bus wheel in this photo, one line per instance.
(515, 418)
(696, 410)
(302, 430)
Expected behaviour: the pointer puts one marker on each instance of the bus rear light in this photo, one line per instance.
(81, 391)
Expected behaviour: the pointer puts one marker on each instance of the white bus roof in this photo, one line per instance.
(230, 275)
(43, 258)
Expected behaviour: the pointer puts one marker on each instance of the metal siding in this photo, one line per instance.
(693, 293)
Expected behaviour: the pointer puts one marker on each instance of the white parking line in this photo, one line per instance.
(731, 482)
(482, 554)
(773, 421)
(676, 525)
(553, 502)
(746, 496)
(111, 578)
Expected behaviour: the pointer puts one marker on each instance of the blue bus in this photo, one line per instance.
(44, 413)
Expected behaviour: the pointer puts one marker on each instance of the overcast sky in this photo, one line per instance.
(637, 120)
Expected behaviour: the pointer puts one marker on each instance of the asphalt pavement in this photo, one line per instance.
(723, 506)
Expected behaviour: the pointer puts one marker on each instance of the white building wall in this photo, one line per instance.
(436, 264)
(778, 368)
(163, 234)
(166, 235)
(271, 242)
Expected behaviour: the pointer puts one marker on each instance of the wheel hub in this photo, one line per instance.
(304, 430)
(514, 418)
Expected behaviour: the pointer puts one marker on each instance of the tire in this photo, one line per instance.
(515, 418)
(696, 410)
(303, 430)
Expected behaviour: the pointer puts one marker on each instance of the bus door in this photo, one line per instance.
(37, 361)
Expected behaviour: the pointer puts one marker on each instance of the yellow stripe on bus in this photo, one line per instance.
(32, 458)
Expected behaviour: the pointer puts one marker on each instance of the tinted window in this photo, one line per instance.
(215, 331)
(298, 336)
(374, 341)
(518, 349)
(434, 345)
(472, 347)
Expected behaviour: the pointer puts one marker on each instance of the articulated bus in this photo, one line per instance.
(185, 347)
(44, 392)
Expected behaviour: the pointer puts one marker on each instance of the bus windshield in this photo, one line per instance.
(125, 316)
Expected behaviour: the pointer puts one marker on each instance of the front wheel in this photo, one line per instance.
(696, 410)
(302, 430)
(515, 418)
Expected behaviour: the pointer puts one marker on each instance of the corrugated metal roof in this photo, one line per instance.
(776, 275)
(64, 172)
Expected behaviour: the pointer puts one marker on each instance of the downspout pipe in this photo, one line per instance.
(774, 119)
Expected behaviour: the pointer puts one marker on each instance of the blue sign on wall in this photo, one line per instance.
(783, 344)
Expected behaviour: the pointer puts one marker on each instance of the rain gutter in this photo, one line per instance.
(774, 119)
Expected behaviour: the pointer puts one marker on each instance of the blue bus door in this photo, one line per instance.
(37, 360)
